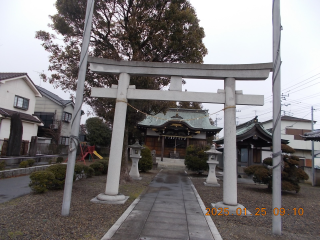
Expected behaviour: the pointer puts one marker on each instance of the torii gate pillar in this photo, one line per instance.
(230, 151)
(114, 168)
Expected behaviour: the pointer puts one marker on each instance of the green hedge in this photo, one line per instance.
(54, 177)
(196, 158)
(2, 165)
(145, 162)
(26, 163)
(290, 176)
(41, 180)
(59, 171)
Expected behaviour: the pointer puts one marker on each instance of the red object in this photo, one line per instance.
(85, 151)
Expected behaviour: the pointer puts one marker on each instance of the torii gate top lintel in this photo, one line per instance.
(246, 72)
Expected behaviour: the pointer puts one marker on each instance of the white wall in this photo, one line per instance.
(4, 128)
(29, 129)
(47, 105)
(66, 127)
(296, 144)
(16, 87)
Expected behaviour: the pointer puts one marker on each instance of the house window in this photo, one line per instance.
(20, 102)
(46, 118)
(66, 116)
(64, 141)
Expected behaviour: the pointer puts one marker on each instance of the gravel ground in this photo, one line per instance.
(254, 197)
(38, 216)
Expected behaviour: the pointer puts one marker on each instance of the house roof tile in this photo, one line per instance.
(7, 75)
(53, 96)
(26, 117)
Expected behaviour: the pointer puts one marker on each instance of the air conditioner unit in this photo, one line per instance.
(54, 126)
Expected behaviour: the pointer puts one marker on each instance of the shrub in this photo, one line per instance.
(40, 181)
(251, 169)
(2, 165)
(105, 165)
(59, 171)
(31, 162)
(262, 175)
(88, 171)
(24, 164)
(301, 175)
(59, 160)
(290, 186)
(145, 162)
(268, 161)
(98, 168)
(290, 175)
(196, 159)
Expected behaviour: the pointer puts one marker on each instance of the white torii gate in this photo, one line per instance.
(229, 96)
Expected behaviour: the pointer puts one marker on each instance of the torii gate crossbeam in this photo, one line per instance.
(229, 96)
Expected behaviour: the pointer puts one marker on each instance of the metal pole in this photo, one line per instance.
(77, 110)
(276, 136)
(312, 150)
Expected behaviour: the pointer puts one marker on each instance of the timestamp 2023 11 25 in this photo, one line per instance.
(258, 212)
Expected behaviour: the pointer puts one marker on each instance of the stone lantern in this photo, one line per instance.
(135, 154)
(212, 161)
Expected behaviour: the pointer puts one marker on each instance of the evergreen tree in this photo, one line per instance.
(145, 30)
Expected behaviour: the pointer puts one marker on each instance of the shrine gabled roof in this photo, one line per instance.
(194, 118)
(247, 129)
(312, 136)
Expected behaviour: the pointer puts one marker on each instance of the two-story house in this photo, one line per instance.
(55, 113)
(291, 129)
(18, 94)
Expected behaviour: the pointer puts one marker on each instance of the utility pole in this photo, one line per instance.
(312, 149)
(77, 110)
(276, 131)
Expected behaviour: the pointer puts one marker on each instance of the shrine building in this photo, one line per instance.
(253, 144)
(170, 134)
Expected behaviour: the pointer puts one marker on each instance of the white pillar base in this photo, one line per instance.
(211, 184)
(234, 210)
(109, 199)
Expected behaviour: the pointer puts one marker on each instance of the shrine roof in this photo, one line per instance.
(195, 118)
(312, 136)
(248, 129)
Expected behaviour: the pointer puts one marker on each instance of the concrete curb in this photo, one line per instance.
(215, 233)
(16, 172)
(118, 223)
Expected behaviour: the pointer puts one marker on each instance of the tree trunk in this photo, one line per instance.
(124, 176)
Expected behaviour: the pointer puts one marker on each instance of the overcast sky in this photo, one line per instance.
(237, 32)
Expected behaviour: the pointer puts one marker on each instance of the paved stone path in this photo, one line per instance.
(11, 188)
(168, 210)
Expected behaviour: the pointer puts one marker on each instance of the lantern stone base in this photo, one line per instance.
(211, 184)
(234, 210)
(108, 199)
